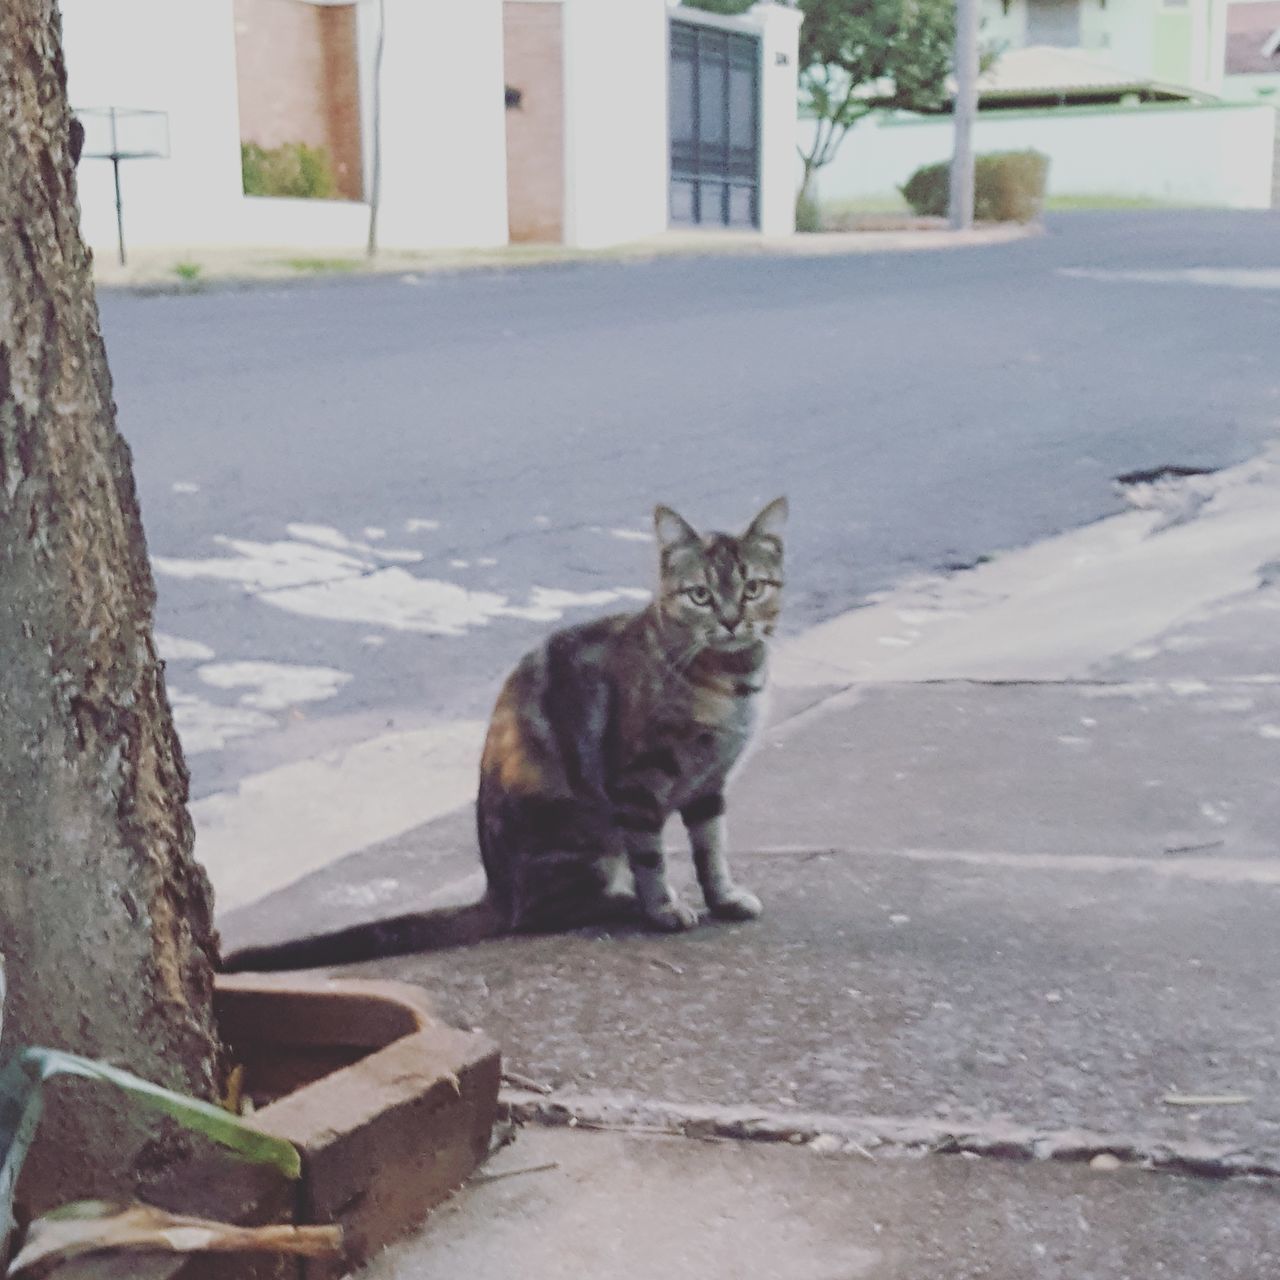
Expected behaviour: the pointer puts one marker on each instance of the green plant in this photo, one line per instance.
(189, 271)
(1008, 187)
(860, 56)
(22, 1082)
(320, 266)
(293, 169)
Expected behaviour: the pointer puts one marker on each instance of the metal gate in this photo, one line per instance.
(715, 126)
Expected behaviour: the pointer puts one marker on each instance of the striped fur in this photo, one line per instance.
(598, 736)
(608, 728)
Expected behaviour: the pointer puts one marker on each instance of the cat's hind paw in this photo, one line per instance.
(673, 916)
(737, 904)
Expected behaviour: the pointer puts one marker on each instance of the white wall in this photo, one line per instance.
(444, 144)
(302, 224)
(779, 28)
(615, 105)
(444, 131)
(158, 55)
(1122, 34)
(1253, 87)
(1215, 155)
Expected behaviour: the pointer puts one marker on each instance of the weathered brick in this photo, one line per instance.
(534, 65)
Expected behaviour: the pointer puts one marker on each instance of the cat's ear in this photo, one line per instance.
(768, 524)
(672, 529)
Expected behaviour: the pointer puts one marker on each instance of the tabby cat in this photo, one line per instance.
(598, 736)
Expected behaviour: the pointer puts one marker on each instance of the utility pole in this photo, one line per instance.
(375, 175)
(966, 108)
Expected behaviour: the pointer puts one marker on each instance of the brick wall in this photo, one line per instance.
(535, 127)
(298, 81)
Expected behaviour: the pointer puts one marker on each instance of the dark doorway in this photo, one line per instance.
(715, 126)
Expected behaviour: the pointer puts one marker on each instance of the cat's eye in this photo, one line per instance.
(699, 595)
(753, 588)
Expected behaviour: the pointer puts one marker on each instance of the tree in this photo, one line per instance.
(105, 917)
(860, 56)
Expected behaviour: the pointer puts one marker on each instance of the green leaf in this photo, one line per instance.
(202, 1117)
(21, 1103)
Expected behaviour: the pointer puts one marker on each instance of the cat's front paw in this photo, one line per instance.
(737, 904)
(672, 916)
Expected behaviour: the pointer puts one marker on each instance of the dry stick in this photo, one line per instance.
(143, 1228)
(524, 1082)
(645, 1130)
(515, 1173)
(1206, 1099)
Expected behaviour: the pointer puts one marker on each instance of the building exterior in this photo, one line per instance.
(1216, 154)
(496, 120)
(1122, 95)
(1048, 76)
(1253, 51)
(1177, 42)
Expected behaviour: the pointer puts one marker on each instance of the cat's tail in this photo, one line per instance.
(398, 936)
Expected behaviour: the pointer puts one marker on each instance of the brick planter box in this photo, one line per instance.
(390, 1109)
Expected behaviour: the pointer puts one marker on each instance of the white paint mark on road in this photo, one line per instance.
(326, 536)
(373, 534)
(1217, 277)
(185, 486)
(323, 574)
(274, 686)
(395, 599)
(278, 826)
(205, 726)
(1215, 812)
(631, 535)
(1269, 731)
(546, 604)
(176, 649)
(264, 566)
(421, 526)
(371, 894)
(1121, 689)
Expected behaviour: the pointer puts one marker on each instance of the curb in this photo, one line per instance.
(390, 1109)
(864, 1135)
(270, 271)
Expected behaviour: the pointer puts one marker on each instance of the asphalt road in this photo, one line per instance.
(443, 445)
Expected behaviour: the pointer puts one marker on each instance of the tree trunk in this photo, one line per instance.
(105, 917)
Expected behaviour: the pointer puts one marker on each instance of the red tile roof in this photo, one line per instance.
(1249, 27)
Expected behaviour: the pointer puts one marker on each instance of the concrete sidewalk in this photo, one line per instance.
(191, 268)
(1015, 832)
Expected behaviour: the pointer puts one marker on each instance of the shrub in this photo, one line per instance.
(1008, 186)
(293, 169)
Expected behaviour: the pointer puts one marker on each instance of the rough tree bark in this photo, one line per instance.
(105, 917)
